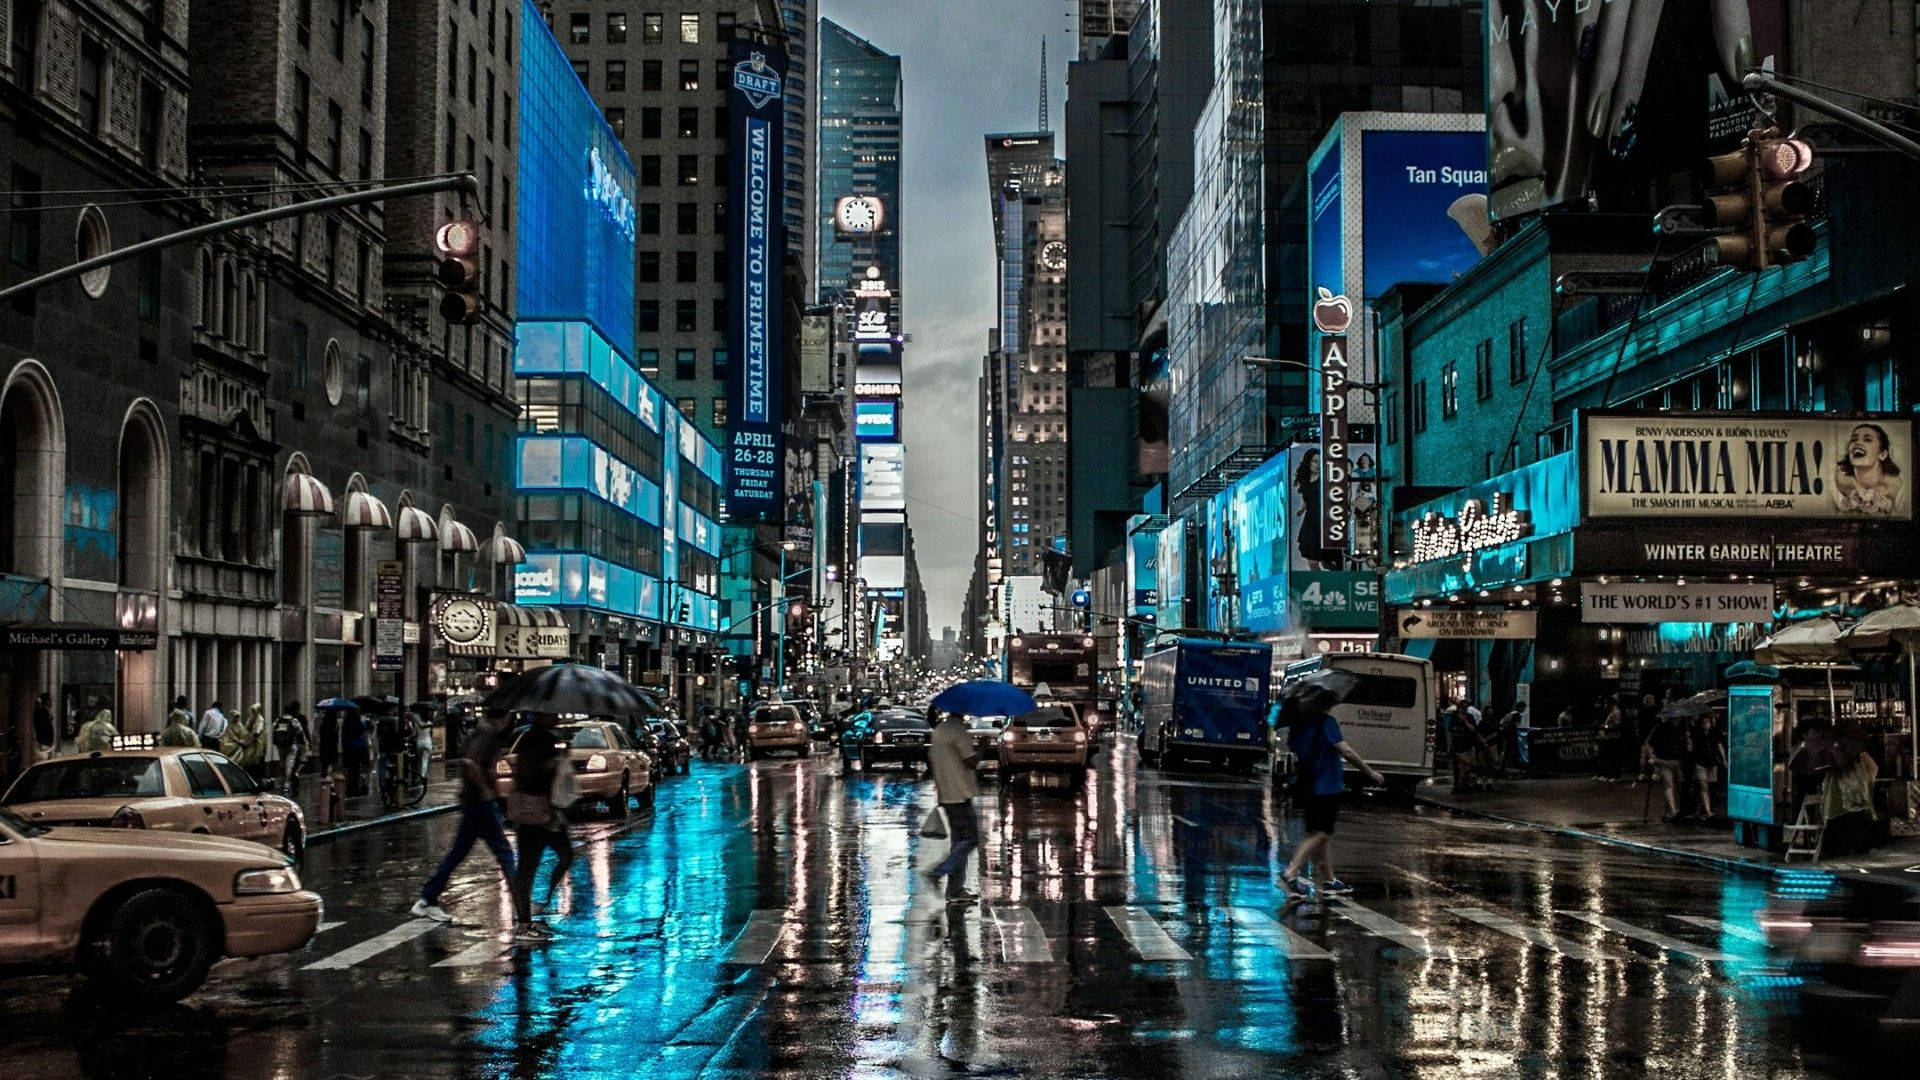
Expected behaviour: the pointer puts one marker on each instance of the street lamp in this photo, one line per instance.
(1275, 361)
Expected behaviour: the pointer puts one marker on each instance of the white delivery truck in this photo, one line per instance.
(1389, 717)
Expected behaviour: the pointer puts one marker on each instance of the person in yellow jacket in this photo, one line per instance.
(179, 730)
(97, 733)
(245, 742)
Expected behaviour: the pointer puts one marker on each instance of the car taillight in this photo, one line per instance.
(879, 736)
(1891, 952)
(503, 767)
(126, 818)
(597, 763)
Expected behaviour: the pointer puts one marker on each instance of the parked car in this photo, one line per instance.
(777, 727)
(147, 914)
(671, 752)
(885, 735)
(823, 725)
(174, 789)
(1049, 739)
(607, 766)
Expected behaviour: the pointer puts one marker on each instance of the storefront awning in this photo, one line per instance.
(456, 537)
(304, 494)
(504, 550)
(366, 512)
(416, 526)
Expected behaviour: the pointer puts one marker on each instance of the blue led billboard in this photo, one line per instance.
(1260, 543)
(549, 462)
(755, 242)
(879, 420)
(574, 255)
(1410, 180)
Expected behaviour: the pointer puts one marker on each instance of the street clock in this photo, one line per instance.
(859, 215)
(1054, 255)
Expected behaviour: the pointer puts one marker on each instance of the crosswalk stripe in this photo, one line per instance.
(757, 940)
(1145, 934)
(1720, 926)
(373, 946)
(1649, 937)
(1532, 935)
(1284, 938)
(1022, 941)
(482, 952)
(1404, 936)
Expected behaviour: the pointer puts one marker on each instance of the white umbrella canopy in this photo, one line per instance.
(1811, 641)
(1890, 626)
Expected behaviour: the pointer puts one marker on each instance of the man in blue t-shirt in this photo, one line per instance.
(1318, 748)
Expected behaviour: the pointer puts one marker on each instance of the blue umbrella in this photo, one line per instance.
(338, 703)
(985, 697)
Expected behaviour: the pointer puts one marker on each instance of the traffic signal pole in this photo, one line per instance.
(462, 182)
(1760, 82)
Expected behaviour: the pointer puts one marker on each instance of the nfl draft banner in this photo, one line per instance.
(1749, 467)
(754, 338)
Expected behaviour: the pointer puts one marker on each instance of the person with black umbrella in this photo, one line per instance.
(1318, 748)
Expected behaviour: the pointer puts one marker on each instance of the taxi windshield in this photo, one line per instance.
(89, 778)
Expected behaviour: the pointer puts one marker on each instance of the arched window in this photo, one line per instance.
(243, 318)
(229, 300)
(208, 302)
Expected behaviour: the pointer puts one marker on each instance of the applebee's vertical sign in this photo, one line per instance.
(1331, 316)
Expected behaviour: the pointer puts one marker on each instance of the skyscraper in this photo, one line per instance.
(861, 94)
(1103, 19)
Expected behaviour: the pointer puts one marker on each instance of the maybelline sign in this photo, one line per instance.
(1748, 467)
(754, 470)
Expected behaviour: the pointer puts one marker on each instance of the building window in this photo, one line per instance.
(335, 122)
(363, 388)
(690, 28)
(366, 64)
(617, 120)
(302, 127)
(649, 270)
(150, 286)
(492, 86)
(466, 436)
(473, 76)
(93, 78)
(719, 313)
(719, 363)
(298, 351)
(719, 412)
(649, 170)
(650, 74)
(616, 81)
(579, 32)
(688, 171)
(685, 405)
(720, 216)
(1417, 407)
(689, 123)
(650, 219)
(686, 266)
(506, 117)
(453, 58)
(650, 362)
(366, 154)
(723, 26)
(1517, 350)
(337, 29)
(686, 218)
(616, 27)
(332, 265)
(684, 363)
(689, 74)
(1450, 390)
(650, 122)
(685, 319)
(506, 28)
(1483, 369)
(580, 71)
(648, 312)
(719, 267)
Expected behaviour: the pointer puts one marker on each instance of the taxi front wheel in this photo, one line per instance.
(157, 944)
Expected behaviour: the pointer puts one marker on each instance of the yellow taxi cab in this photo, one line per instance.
(143, 912)
(175, 789)
(778, 726)
(1049, 739)
(607, 767)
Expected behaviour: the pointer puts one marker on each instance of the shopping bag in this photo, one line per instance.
(935, 825)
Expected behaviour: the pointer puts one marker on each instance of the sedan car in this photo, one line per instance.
(175, 789)
(607, 766)
(985, 732)
(1049, 739)
(672, 752)
(777, 727)
(146, 914)
(885, 735)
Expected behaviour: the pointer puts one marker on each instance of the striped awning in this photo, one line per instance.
(417, 526)
(304, 494)
(531, 615)
(366, 512)
(455, 536)
(504, 549)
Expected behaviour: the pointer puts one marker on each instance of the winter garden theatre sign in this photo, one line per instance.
(1478, 526)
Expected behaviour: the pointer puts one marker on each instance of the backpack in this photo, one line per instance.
(285, 733)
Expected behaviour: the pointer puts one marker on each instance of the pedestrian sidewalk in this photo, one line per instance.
(1620, 812)
(365, 811)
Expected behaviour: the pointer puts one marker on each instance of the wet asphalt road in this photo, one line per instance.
(767, 921)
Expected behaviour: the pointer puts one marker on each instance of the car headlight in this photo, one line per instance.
(597, 763)
(879, 736)
(753, 729)
(279, 879)
(1006, 736)
(1079, 736)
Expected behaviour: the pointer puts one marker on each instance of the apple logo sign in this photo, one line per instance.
(1332, 314)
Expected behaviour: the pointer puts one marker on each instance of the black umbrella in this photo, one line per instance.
(1699, 704)
(574, 688)
(1314, 694)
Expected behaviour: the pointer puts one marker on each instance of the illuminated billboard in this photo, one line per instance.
(883, 551)
(754, 247)
(877, 420)
(883, 476)
(859, 216)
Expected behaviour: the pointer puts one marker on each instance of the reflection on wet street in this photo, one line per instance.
(769, 920)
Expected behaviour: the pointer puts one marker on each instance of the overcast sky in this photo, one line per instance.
(970, 67)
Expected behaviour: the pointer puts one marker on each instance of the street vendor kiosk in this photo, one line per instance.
(1766, 713)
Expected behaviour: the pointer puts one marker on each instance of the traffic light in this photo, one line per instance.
(1757, 194)
(459, 271)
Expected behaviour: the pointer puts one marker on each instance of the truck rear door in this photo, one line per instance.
(1222, 696)
(1384, 719)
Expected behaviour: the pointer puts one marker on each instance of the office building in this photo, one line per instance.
(861, 95)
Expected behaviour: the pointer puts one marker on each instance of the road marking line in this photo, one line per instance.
(475, 955)
(1650, 937)
(756, 941)
(1532, 935)
(374, 946)
(1404, 936)
(1184, 821)
(326, 926)
(1022, 941)
(1262, 925)
(1146, 935)
(1719, 926)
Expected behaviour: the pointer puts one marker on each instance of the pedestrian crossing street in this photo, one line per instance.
(1306, 939)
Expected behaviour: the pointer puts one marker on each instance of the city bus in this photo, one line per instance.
(1068, 665)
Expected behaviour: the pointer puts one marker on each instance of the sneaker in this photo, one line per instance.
(423, 910)
(532, 933)
(1300, 888)
(1336, 887)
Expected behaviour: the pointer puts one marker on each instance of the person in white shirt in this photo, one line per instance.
(213, 725)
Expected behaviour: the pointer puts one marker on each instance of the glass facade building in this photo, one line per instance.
(618, 496)
(861, 96)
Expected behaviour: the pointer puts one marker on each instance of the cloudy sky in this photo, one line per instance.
(970, 66)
